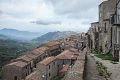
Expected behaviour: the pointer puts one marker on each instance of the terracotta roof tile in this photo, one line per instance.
(27, 57)
(43, 49)
(33, 76)
(18, 63)
(40, 51)
(24, 58)
(48, 60)
(53, 43)
(68, 54)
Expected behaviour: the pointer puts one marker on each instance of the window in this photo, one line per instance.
(63, 61)
(119, 38)
(105, 27)
(54, 63)
(15, 78)
(49, 66)
(26, 74)
(100, 14)
(26, 67)
(49, 74)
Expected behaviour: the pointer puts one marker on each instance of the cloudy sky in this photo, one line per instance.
(48, 15)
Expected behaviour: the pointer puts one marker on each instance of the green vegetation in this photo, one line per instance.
(57, 78)
(103, 71)
(10, 49)
(105, 56)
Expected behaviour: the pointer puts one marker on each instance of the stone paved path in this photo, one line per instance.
(112, 68)
(91, 72)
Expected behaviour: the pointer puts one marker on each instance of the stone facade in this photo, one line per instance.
(93, 36)
(116, 31)
(16, 71)
(54, 48)
(47, 68)
(108, 34)
(106, 9)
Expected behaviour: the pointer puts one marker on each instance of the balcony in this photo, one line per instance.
(115, 19)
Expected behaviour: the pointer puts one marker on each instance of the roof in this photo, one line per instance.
(94, 22)
(33, 76)
(27, 57)
(43, 49)
(68, 54)
(48, 60)
(104, 2)
(64, 69)
(24, 58)
(32, 56)
(18, 63)
(53, 43)
(40, 51)
(37, 52)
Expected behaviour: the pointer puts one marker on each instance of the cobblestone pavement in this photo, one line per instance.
(91, 72)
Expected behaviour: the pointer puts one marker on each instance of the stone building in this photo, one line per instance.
(47, 68)
(33, 76)
(41, 52)
(115, 21)
(54, 48)
(74, 41)
(16, 71)
(67, 57)
(30, 58)
(82, 41)
(54, 66)
(93, 36)
(107, 34)
(106, 9)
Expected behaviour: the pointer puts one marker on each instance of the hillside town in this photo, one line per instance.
(44, 63)
(69, 58)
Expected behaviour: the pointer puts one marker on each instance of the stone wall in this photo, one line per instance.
(78, 70)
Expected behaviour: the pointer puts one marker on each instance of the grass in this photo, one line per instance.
(106, 56)
(103, 71)
(57, 78)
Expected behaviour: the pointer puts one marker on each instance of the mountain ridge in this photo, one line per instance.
(19, 35)
(53, 36)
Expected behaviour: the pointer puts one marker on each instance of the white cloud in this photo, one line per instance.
(69, 14)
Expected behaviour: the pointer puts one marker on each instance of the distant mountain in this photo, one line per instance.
(3, 37)
(53, 36)
(19, 35)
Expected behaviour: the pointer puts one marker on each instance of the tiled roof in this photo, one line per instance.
(33, 76)
(48, 60)
(43, 49)
(53, 43)
(18, 63)
(68, 54)
(36, 52)
(24, 58)
(32, 56)
(40, 51)
(27, 57)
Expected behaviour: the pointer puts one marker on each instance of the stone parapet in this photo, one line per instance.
(78, 70)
